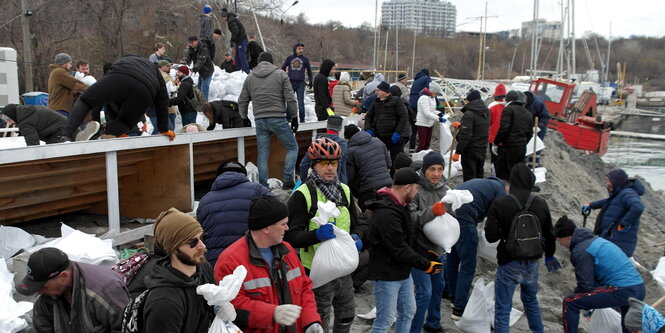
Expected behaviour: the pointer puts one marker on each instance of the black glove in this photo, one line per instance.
(294, 124)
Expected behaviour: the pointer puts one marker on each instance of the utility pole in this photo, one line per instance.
(413, 57)
(534, 41)
(27, 45)
(376, 8)
(572, 22)
(396, 48)
(385, 54)
(607, 65)
(482, 42)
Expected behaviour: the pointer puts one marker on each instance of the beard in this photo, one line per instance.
(197, 259)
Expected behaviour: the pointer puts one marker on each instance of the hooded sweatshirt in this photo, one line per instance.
(172, 304)
(420, 82)
(503, 210)
(370, 88)
(297, 64)
(322, 98)
(269, 89)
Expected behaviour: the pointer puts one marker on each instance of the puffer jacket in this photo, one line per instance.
(269, 89)
(420, 82)
(266, 287)
(37, 123)
(342, 99)
(367, 164)
(599, 263)
(622, 209)
(201, 58)
(386, 117)
(223, 211)
(515, 127)
(370, 87)
(474, 130)
(421, 213)
(427, 114)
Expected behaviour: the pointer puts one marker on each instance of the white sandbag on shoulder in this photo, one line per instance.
(334, 257)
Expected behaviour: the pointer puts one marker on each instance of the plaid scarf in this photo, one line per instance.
(330, 189)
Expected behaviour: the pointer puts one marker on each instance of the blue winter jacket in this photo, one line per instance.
(223, 211)
(622, 208)
(306, 162)
(420, 82)
(484, 191)
(599, 263)
(538, 109)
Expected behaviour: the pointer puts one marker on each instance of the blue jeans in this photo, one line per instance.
(429, 290)
(599, 298)
(188, 118)
(393, 298)
(299, 88)
(153, 121)
(265, 128)
(241, 56)
(461, 262)
(204, 85)
(508, 276)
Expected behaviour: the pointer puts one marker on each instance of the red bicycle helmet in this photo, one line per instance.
(324, 149)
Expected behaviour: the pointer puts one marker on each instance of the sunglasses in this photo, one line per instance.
(332, 163)
(192, 243)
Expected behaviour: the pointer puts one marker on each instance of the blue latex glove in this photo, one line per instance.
(359, 243)
(395, 138)
(586, 209)
(552, 264)
(325, 232)
(441, 118)
(370, 132)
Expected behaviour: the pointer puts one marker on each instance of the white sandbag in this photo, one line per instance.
(515, 314)
(457, 198)
(540, 174)
(539, 145)
(13, 239)
(10, 310)
(443, 231)
(419, 155)
(252, 172)
(88, 80)
(476, 317)
(605, 320)
(486, 250)
(335, 257)
(445, 137)
(84, 247)
(221, 295)
(659, 273)
(275, 184)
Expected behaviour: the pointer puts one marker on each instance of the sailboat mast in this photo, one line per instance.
(572, 21)
(534, 40)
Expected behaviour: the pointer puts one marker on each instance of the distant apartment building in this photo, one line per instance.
(431, 17)
(546, 29)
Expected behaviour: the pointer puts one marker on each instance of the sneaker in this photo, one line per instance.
(457, 314)
(90, 129)
(433, 329)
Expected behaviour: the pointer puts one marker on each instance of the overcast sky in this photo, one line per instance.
(633, 17)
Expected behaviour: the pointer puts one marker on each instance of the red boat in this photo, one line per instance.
(579, 123)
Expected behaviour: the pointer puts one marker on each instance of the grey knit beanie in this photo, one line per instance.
(633, 319)
(62, 58)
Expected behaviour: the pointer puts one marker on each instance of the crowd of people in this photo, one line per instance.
(384, 200)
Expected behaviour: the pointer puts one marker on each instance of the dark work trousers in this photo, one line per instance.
(508, 157)
(132, 96)
(412, 139)
(339, 295)
(393, 148)
(473, 162)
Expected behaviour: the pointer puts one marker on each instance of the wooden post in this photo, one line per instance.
(658, 302)
(535, 141)
(450, 158)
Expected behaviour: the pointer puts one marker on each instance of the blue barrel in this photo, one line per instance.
(35, 98)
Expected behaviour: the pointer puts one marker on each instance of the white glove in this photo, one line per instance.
(495, 149)
(287, 314)
(314, 328)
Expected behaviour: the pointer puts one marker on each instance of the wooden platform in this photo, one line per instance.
(136, 177)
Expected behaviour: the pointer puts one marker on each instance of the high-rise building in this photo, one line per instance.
(547, 30)
(432, 17)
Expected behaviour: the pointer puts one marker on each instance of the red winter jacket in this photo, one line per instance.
(260, 294)
(496, 108)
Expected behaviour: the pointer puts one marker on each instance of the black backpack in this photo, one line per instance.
(525, 239)
(132, 316)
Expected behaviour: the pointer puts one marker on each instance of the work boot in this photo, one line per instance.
(457, 314)
(63, 139)
(90, 129)
(432, 329)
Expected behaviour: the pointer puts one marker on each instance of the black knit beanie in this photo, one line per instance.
(350, 130)
(265, 56)
(265, 211)
(564, 227)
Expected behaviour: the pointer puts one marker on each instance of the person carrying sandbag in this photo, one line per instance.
(323, 185)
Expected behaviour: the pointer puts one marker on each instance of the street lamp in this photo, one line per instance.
(281, 20)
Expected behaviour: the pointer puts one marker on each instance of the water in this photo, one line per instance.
(645, 158)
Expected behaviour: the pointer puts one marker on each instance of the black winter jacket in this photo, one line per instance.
(201, 58)
(367, 164)
(37, 123)
(228, 66)
(236, 28)
(253, 51)
(322, 98)
(172, 304)
(185, 93)
(227, 113)
(503, 210)
(387, 116)
(474, 129)
(390, 237)
(515, 127)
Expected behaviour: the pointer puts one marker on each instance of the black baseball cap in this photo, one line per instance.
(406, 176)
(43, 265)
